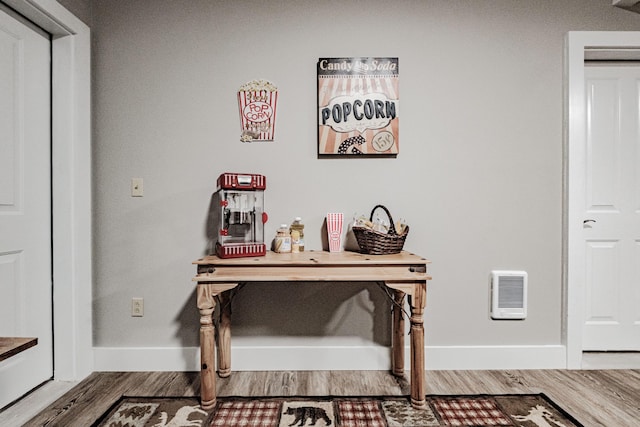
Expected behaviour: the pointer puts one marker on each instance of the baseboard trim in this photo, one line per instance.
(496, 357)
(303, 358)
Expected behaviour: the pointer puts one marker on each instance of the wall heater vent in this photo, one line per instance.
(508, 294)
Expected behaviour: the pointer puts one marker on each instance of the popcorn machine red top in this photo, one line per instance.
(242, 216)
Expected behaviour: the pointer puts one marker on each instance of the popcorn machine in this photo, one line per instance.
(242, 216)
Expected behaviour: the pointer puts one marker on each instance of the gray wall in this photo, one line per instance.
(478, 177)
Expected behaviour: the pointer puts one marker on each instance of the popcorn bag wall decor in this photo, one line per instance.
(257, 102)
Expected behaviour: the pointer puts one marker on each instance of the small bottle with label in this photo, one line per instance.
(282, 242)
(295, 241)
(297, 233)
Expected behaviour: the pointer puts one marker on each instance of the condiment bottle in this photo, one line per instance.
(295, 241)
(297, 226)
(282, 242)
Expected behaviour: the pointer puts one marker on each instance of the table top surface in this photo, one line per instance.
(397, 269)
(315, 258)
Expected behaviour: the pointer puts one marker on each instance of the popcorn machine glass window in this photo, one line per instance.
(242, 216)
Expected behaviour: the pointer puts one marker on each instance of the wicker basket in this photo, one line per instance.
(376, 243)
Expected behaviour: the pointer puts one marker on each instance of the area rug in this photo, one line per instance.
(520, 410)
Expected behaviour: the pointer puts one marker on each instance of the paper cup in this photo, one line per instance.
(334, 231)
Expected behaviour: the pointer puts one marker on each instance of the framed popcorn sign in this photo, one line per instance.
(358, 106)
(257, 101)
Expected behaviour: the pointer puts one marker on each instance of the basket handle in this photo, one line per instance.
(392, 228)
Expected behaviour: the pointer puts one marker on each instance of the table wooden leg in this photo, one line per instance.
(397, 340)
(417, 302)
(224, 335)
(206, 305)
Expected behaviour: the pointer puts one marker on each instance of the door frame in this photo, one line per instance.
(625, 45)
(71, 185)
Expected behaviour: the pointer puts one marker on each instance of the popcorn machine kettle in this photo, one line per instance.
(242, 216)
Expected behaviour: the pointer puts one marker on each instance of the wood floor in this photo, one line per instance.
(608, 398)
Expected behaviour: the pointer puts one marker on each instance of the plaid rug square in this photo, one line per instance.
(356, 413)
(247, 413)
(529, 410)
(470, 411)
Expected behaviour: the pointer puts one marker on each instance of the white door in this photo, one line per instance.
(25, 204)
(612, 212)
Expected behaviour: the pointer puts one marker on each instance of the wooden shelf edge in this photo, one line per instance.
(10, 346)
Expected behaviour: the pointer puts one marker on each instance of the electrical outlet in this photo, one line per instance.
(137, 188)
(137, 307)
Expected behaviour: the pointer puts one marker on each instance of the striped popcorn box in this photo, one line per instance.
(257, 101)
(334, 231)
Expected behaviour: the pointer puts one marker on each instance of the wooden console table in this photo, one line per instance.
(403, 273)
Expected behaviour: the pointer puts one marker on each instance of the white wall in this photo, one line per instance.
(478, 177)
